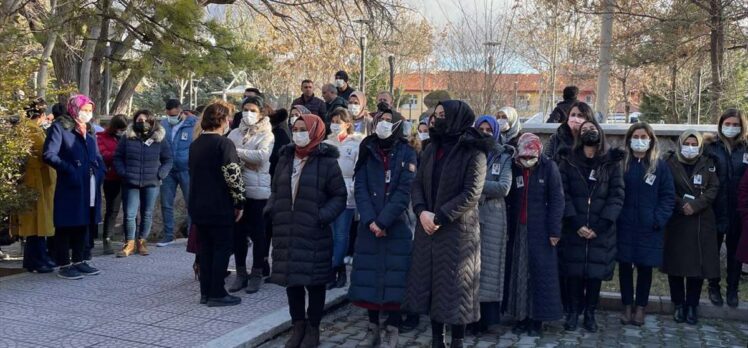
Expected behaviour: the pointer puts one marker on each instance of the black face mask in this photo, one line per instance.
(590, 138)
(141, 127)
(440, 126)
(382, 106)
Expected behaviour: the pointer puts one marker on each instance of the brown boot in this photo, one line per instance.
(626, 315)
(142, 247)
(128, 249)
(638, 316)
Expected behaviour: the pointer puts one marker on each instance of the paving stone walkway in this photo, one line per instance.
(346, 328)
(139, 301)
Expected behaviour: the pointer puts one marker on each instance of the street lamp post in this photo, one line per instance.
(362, 44)
(489, 73)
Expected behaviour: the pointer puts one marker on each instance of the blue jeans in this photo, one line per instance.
(340, 230)
(168, 194)
(144, 199)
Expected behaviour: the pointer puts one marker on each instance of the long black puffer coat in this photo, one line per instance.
(594, 191)
(302, 236)
(444, 278)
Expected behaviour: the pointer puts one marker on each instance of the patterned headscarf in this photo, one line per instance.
(529, 145)
(316, 128)
(76, 102)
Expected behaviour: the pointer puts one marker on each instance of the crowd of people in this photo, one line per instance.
(461, 218)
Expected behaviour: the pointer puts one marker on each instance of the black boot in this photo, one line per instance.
(732, 298)
(715, 295)
(572, 321)
(297, 334)
(692, 315)
(457, 343)
(33, 260)
(342, 277)
(590, 324)
(521, 327)
(437, 335)
(679, 316)
(410, 323)
(311, 337)
(535, 329)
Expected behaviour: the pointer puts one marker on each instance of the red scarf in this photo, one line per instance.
(316, 128)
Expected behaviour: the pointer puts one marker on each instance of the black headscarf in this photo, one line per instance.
(383, 144)
(459, 117)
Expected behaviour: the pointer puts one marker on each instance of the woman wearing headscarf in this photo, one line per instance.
(510, 125)
(362, 121)
(594, 193)
(493, 236)
(444, 275)
(731, 153)
(36, 224)
(568, 132)
(70, 148)
(690, 246)
(535, 207)
(648, 204)
(143, 159)
(384, 175)
(307, 194)
(347, 142)
(254, 142)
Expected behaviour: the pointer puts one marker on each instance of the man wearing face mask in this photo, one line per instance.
(341, 83)
(179, 128)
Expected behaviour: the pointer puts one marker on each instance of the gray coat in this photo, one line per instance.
(492, 214)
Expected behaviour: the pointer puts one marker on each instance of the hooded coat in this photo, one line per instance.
(75, 158)
(561, 141)
(444, 275)
(492, 217)
(690, 246)
(594, 193)
(143, 162)
(647, 207)
(254, 145)
(380, 265)
(302, 235)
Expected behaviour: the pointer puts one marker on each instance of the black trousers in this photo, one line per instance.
(643, 283)
(731, 241)
(268, 234)
(214, 254)
(113, 196)
(394, 318)
(251, 225)
(297, 303)
(67, 239)
(437, 331)
(685, 291)
(583, 293)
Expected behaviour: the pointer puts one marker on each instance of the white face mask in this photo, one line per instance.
(339, 83)
(384, 129)
(173, 120)
(423, 136)
(689, 152)
(335, 128)
(503, 124)
(85, 116)
(301, 139)
(249, 118)
(528, 162)
(640, 145)
(731, 131)
(354, 109)
(293, 119)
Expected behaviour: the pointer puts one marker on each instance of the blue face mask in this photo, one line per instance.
(173, 120)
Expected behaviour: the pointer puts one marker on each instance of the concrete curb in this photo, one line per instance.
(611, 301)
(259, 331)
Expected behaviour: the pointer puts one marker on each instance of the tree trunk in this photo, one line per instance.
(606, 36)
(84, 84)
(673, 92)
(65, 65)
(126, 91)
(716, 54)
(41, 76)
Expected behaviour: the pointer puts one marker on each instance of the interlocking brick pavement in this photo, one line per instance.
(139, 301)
(346, 327)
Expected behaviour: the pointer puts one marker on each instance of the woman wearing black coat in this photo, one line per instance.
(567, 133)
(444, 274)
(282, 134)
(594, 192)
(307, 194)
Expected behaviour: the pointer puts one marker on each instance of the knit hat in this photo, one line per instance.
(529, 145)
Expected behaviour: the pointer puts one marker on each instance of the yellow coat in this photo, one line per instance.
(40, 177)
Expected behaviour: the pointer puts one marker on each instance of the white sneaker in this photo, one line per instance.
(164, 243)
(348, 260)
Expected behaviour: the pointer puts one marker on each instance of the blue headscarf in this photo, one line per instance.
(496, 133)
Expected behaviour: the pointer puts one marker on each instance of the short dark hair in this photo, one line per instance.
(215, 115)
(571, 92)
(37, 108)
(307, 81)
(173, 104)
(253, 90)
(118, 122)
(258, 100)
(342, 75)
(59, 109)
